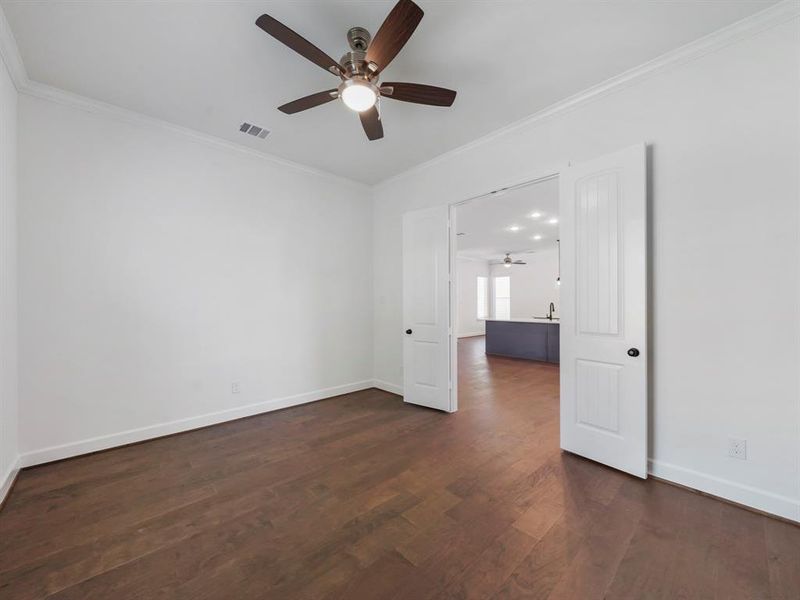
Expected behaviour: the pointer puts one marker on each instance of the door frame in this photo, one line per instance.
(533, 178)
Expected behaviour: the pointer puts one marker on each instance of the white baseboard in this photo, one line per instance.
(141, 434)
(388, 387)
(782, 506)
(8, 479)
(471, 334)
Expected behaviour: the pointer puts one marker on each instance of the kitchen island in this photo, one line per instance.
(531, 339)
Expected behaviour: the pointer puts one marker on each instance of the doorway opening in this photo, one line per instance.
(507, 300)
(597, 326)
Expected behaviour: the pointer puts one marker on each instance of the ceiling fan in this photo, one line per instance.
(360, 69)
(507, 261)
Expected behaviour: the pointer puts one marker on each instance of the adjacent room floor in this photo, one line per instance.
(362, 496)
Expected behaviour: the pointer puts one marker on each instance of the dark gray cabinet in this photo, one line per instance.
(521, 339)
(553, 342)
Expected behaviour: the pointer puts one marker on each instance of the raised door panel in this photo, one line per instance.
(598, 239)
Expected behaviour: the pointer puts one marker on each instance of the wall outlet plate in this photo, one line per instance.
(235, 389)
(737, 448)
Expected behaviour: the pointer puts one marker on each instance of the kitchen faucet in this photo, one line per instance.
(551, 311)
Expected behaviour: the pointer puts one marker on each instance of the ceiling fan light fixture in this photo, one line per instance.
(358, 95)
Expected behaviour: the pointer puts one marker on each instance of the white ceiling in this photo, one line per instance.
(205, 65)
(505, 222)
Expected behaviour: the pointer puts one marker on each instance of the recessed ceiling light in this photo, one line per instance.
(514, 228)
(536, 215)
(553, 221)
(537, 237)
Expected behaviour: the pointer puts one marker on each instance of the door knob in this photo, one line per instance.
(634, 352)
(409, 332)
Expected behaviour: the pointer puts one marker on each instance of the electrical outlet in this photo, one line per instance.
(737, 449)
(235, 389)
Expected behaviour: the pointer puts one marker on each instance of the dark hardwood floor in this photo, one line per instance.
(362, 496)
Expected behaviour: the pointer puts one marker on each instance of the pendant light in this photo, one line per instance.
(558, 279)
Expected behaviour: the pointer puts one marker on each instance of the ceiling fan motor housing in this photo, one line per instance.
(355, 61)
(359, 39)
(354, 64)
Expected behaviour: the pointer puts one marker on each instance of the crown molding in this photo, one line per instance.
(90, 105)
(472, 258)
(9, 53)
(748, 27)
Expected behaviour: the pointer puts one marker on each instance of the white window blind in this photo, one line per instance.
(502, 297)
(483, 298)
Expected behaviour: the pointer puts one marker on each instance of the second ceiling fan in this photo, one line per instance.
(508, 261)
(360, 69)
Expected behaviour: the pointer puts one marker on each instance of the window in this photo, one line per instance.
(502, 297)
(483, 298)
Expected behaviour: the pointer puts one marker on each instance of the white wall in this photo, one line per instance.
(533, 285)
(8, 279)
(723, 131)
(156, 269)
(467, 280)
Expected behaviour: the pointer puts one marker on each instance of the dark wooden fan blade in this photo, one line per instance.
(371, 121)
(418, 93)
(394, 33)
(308, 102)
(298, 43)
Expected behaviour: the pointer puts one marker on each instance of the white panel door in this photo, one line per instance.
(426, 308)
(604, 310)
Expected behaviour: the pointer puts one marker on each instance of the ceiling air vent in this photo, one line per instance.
(254, 130)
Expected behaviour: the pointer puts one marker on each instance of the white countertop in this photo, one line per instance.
(554, 321)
